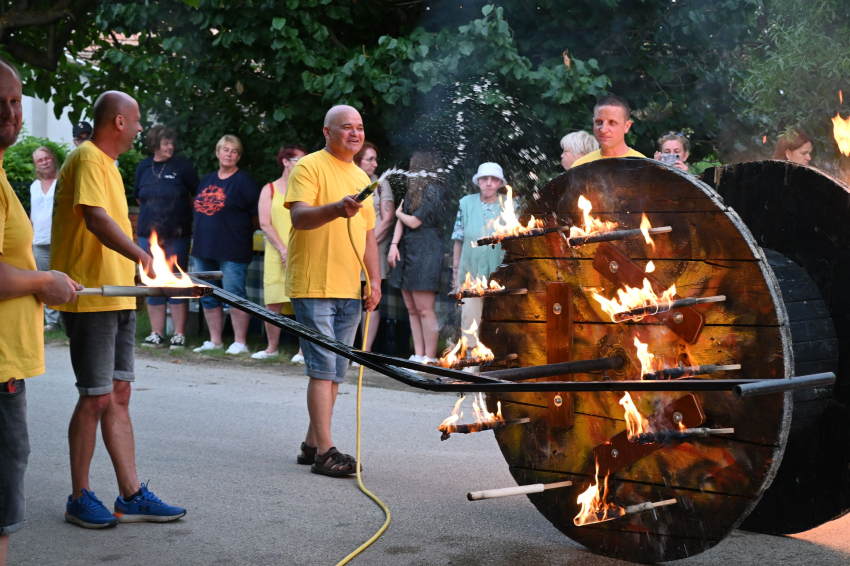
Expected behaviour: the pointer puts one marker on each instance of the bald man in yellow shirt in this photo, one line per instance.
(611, 122)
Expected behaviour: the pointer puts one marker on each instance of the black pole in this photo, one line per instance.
(768, 386)
(551, 370)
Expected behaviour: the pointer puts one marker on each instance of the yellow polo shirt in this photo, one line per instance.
(22, 318)
(320, 263)
(596, 155)
(90, 177)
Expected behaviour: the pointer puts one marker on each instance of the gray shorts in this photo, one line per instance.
(14, 452)
(103, 348)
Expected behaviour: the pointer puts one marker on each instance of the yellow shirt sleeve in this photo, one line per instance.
(89, 186)
(303, 186)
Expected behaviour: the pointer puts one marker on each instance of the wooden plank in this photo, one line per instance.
(749, 300)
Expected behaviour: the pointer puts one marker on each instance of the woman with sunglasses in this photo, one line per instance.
(276, 224)
(674, 143)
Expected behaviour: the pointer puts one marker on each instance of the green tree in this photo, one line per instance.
(793, 77)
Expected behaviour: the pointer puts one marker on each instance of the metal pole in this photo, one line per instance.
(765, 387)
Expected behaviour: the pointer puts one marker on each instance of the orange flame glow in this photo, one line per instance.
(635, 423)
(650, 267)
(841, 131)
(459, 350)
(631, 298)
(647, 360)
(478, 285)
(163, 269)
(591, 225)
(479, 407)
(644, 229)
(594, 506)
(508, 224)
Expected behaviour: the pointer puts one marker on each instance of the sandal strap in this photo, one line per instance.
(334, 460)
(309, 450)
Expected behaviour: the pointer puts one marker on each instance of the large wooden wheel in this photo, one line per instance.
(717, 480)
(804, 215)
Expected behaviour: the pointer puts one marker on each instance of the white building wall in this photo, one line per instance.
(40, 121)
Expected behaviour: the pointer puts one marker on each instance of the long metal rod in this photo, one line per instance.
(492, 384)
(472, 294)
(687, 371)
(551, 370)
(768, 386)
(650, 310)
(576, 241)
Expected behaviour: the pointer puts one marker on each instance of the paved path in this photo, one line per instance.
(220, 440)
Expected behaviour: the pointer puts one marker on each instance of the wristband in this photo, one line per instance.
(393, 243)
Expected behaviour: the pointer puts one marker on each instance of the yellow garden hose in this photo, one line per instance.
(368, 493)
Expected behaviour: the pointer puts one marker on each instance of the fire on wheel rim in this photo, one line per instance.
(716, 480)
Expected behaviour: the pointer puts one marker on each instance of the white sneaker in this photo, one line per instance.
(428, 360)
(153, 341)
(207, 347)
(297, 359)
(263, 355)
(178, 342)
(417, 359)
(236, 348)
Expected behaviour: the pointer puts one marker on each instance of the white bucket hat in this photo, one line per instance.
(489, 170)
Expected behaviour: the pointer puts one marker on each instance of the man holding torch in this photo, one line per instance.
(93, 244)
(23, 289)
(323, 271)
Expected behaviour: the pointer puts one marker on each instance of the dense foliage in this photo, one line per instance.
(794, 77)
(268, 69)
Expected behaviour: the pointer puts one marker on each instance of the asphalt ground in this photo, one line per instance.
(220, 438)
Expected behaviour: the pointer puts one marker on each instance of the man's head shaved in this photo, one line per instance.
(336, 113)
(11, 67)
(109, 105)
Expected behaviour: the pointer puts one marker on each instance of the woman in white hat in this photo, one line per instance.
(475, 219)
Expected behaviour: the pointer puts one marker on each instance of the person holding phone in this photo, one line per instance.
(674, 150)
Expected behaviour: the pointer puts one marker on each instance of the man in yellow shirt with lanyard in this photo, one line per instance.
(23, 289)
(611, 122)
(92, 242)
(323, 272)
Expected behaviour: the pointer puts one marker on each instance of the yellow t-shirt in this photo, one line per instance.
(320, 263)
(596, 155)
(22, 318)
(90, 177)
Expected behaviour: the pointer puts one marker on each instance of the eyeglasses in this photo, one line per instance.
(677, 134)
(292, 159)
(44, 160)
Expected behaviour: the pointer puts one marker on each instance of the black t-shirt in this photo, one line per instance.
(164, 191)
(223, 212)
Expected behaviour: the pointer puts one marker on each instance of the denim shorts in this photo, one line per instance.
(177, 249)
(335, 318)
(234, 280)
(102, 348)
(14, 453)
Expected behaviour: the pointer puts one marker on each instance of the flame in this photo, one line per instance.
(764, 140)
(646, 359)
(479, 284)
(591, 224)
(163, 269)
(593, 505)
(635, 423)
(508, 224)
(840, 97)
(644, 229)
(631, 298)
(459, 351)
(479, 407)
(650, 267)
(841, 131)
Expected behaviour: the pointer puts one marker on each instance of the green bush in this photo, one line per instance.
(21, 170)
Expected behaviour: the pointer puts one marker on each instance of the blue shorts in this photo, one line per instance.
(174, 249)
(335, 318)
(234, 280)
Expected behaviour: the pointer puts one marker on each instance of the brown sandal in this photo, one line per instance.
(308, 454)
(335, 464)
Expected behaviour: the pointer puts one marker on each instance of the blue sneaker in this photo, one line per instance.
(89, 512)
(146, 508)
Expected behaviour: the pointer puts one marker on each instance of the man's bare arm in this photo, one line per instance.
(110, 235)
(306, 217)
(51, 287)
(373, 268)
